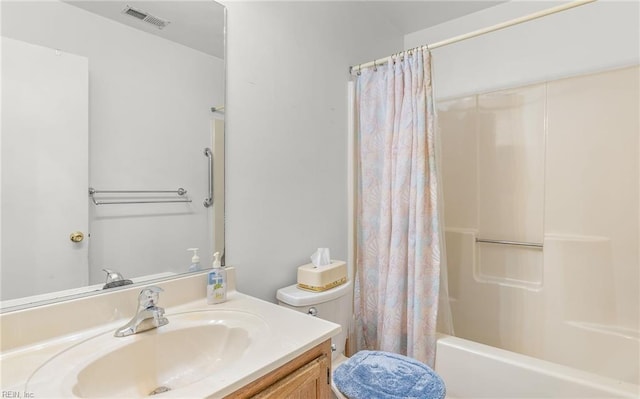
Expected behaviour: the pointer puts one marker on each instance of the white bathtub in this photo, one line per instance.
(473, 370)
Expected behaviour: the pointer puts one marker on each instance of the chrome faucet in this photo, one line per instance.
(148, 315)
(114, 279)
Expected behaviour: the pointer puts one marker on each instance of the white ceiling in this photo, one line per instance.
(412, 16)
(200, 24)
(195, 24)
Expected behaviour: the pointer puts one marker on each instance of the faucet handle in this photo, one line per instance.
(149, 296)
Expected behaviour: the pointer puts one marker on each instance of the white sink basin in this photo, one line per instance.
(193, 346)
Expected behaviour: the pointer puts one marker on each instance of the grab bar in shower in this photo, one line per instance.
(516, 243)
(180, 191)
(209, 200)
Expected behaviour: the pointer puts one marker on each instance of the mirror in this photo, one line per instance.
(123, 98)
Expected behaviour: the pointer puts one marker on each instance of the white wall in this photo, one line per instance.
(589, 38)
(287, 133)
(150, 119)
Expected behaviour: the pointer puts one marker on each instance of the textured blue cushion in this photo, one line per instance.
(383, 375)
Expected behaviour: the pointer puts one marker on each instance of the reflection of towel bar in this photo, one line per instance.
(180, 191)
(517, 243)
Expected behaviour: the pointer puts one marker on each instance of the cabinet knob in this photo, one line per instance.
(312, 311)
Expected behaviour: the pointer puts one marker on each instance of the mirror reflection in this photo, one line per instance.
(117, 97)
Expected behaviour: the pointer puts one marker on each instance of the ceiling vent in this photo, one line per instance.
(145, 17)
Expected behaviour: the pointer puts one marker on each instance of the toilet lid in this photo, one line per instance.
(294, 296)
(383, 375)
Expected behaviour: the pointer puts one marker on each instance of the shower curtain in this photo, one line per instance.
(399, 244)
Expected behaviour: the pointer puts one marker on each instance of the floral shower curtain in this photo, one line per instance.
(399, 237)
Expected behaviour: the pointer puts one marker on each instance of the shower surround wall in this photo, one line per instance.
(576, 301)
(554, 163)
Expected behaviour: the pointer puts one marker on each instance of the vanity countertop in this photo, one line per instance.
(284, 334)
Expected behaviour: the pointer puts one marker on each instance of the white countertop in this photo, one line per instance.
(287, 335)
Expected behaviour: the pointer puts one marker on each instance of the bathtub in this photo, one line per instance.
(473, 370)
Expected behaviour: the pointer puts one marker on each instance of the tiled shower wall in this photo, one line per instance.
(554, 163)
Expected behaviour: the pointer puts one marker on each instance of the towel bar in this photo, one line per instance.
(180, 191)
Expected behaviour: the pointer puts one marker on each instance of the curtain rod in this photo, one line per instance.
(482, 31)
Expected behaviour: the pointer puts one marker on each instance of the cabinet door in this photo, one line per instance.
(308, 382)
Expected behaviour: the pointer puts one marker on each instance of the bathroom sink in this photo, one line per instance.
(193, 346)
(161, 361)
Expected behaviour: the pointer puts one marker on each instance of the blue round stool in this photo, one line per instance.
(384, 375)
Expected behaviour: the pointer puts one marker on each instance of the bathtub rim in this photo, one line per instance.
(620, 388)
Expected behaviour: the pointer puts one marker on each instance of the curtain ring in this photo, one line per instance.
(359, 70)
(375, 67)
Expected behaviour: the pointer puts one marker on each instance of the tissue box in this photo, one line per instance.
(322, 278)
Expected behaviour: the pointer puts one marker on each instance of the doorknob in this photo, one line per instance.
(76, 236)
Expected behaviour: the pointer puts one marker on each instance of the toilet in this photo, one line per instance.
(335, 305)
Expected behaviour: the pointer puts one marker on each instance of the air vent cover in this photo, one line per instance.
(146, 17)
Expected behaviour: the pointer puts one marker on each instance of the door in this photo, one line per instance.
(44, 171)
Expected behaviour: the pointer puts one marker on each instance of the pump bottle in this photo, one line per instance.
(195, 260)
(217, 282)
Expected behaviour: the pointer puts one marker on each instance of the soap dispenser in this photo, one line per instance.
(217, 282)
(195, 260)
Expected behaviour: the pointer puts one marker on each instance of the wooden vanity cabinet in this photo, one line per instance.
(306, 377)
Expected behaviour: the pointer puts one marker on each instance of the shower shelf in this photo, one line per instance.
(516, 243)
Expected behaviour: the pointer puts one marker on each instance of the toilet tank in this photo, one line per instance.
(334, 305)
